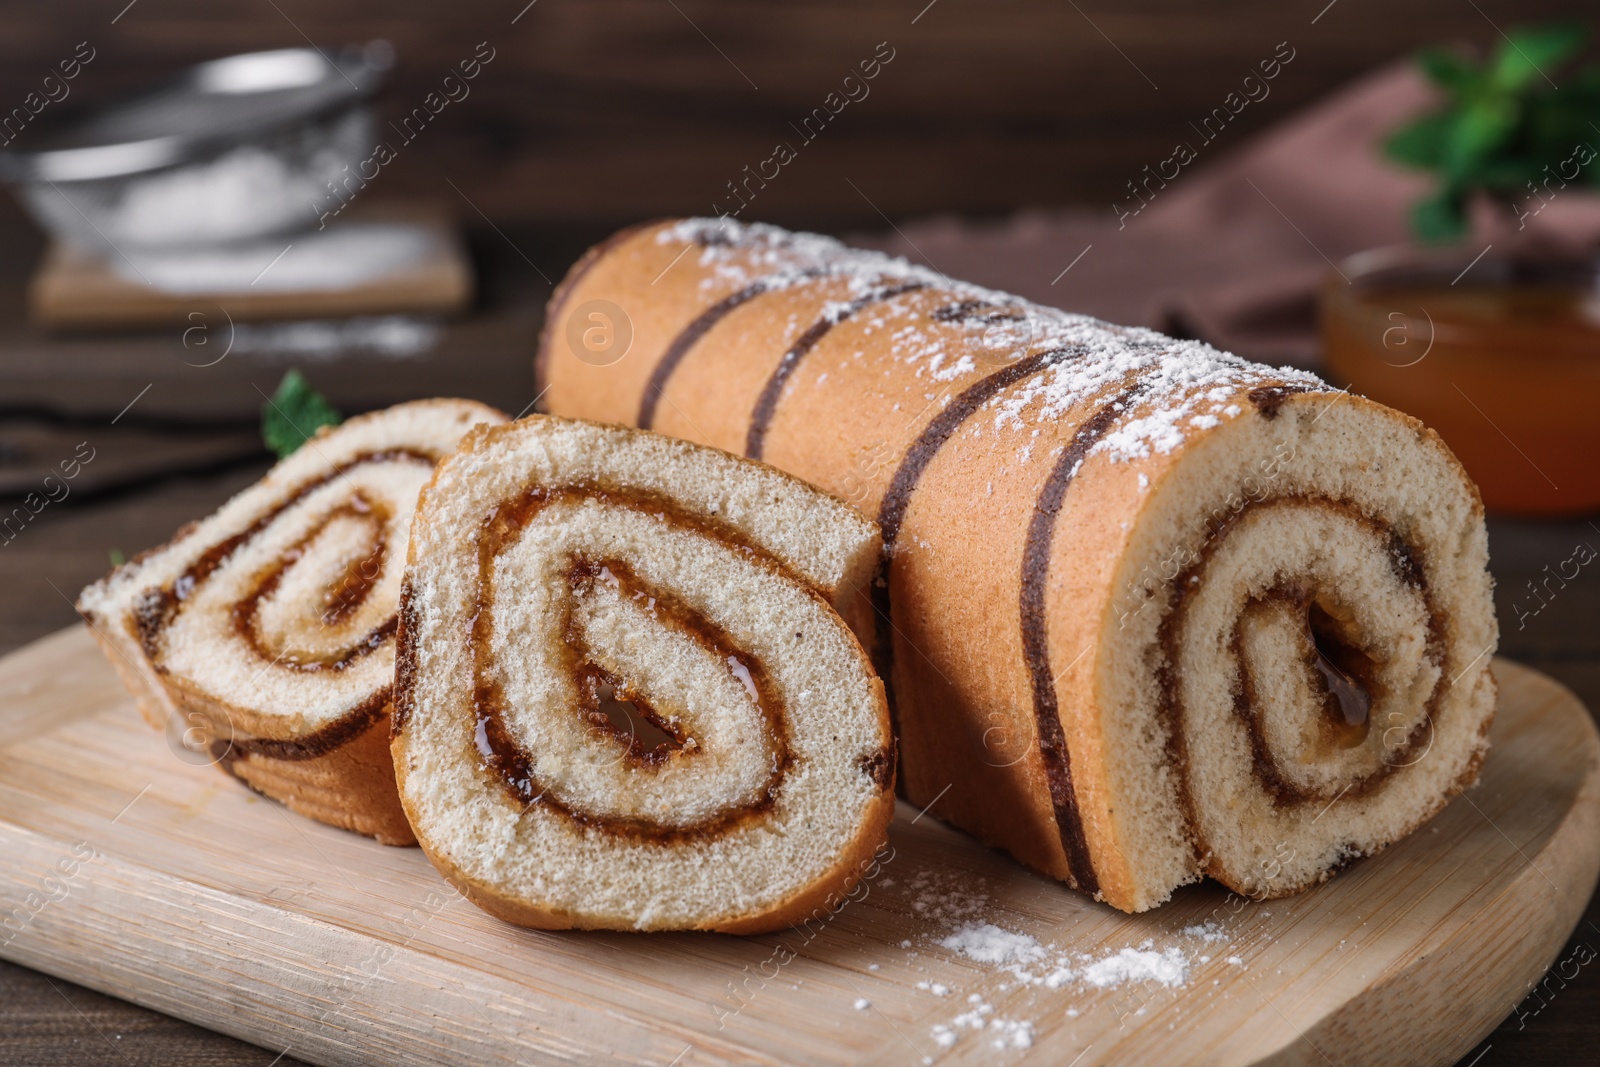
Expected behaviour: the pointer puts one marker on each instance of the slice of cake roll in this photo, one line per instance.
(1152, 612)
(627, 695)
(264, 635)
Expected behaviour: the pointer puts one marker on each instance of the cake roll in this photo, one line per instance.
(265, 633)
(627, 696)
(1151, 612)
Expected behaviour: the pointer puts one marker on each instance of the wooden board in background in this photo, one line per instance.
(76, 290)
(202, 900)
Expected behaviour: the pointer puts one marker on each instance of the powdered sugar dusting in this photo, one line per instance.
(1207, 931)
(946, 900)
(1034, 964)
(988, 943)
(1184, 387)
(1169, 967)
(1003, 1033)
(1053, 970)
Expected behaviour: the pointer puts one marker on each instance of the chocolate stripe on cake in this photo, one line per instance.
(897, 499)
(1269, 399)
(767, 403)
(698, 327)
(1036, 638)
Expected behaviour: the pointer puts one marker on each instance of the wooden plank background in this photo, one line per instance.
(599, 112)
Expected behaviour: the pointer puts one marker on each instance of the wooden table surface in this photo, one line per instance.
(186, 443)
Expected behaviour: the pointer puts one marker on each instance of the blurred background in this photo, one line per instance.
(1035, 145)
(594, 115)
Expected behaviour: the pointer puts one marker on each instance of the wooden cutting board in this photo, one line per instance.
(73, 289)
(128, 870)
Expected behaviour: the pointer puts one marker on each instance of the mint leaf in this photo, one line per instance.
(1504, 130)
(1449, 70)
(1422, 142)
(1480, 128)
(295, 412)
(1532, 53)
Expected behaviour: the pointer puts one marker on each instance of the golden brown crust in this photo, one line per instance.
(341, 774)
(817, 900)
(553, 318)
(151, 702)
(351, 787)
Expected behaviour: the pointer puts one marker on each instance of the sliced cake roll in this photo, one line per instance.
(628, 696)
(265, 634)
(1151, 611)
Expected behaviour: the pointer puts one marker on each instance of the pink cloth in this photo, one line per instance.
(1233, 249)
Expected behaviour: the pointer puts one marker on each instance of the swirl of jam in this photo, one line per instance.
(650, 740)
(335, 607)
(1304, 637)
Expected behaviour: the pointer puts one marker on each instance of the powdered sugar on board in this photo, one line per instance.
(1025, 981)
(1182, 387)
(988, 943)
(980, 1016)
(1032, 963)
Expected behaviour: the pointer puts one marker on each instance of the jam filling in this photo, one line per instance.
(1346, 675)
(622, 715)
(341, 600)
(157, 609)
(1349, 678)
(646, 736)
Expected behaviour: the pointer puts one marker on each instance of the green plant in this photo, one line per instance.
(295, 412)
(1505, 130)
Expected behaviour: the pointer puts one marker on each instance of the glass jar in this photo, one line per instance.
(1500, 354)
